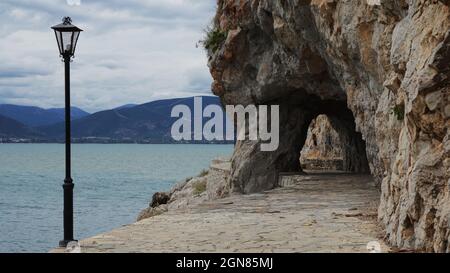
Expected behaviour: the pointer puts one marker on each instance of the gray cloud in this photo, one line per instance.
(131, 51)
(21, 73)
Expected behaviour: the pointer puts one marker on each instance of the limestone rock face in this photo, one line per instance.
(323, 148)
(322, 141)
(378, 69)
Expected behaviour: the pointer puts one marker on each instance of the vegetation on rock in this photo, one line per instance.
(214, 39)
(199, 187)
(399, 111)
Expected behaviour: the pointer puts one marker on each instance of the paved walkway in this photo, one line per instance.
(326, 212)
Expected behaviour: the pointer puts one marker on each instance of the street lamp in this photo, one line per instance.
(67, 38)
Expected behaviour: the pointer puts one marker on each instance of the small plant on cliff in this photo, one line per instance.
(203, 173)
(199, 187)
(399, 111)
(214, 39)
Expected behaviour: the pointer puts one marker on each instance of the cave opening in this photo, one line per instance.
(330, 140)
(254, 170)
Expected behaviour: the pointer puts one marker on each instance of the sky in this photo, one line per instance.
(132, 51)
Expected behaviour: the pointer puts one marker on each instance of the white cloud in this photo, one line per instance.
(130, 52)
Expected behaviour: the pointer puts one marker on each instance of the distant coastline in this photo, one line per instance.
(149, 123)
(95, 140)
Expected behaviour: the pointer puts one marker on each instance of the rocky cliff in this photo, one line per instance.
(378, 69)
(323, 148)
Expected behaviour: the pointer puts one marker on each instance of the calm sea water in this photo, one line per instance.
(112, 184)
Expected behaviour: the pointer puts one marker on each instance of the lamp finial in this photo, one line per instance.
(67, 20)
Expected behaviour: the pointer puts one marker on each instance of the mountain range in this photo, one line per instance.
(12, 128)
(145, 123)
(34, 116)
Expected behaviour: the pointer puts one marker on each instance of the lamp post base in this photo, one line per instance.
(64, 243)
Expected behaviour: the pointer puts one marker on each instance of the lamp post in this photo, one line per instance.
(67, 38)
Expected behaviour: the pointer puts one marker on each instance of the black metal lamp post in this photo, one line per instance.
(67, 37)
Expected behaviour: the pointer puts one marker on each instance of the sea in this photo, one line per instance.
(113, 182)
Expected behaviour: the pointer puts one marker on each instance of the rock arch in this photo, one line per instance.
(254, 170)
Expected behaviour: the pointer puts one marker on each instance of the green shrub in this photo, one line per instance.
(203, 173)
(214, 39)
(199, 187)
(399, 111)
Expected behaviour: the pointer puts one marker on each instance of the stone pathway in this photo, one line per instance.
(322, 212)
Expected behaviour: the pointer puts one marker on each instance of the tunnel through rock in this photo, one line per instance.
(254, 170)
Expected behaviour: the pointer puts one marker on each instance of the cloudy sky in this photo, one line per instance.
(131, 51)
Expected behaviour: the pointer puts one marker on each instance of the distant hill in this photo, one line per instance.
(150, 122)
(10, 128)
(34, 116)
(130, 105)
